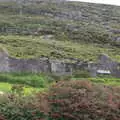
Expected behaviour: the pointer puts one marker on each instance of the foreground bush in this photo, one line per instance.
(14, 107)
(83, 100)
(67, 100)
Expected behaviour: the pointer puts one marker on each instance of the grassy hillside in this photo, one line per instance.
(30, 47)
(60, 29)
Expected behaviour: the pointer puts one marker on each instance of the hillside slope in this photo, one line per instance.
(91, 28)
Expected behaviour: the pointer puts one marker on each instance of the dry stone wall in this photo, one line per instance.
(58, 67)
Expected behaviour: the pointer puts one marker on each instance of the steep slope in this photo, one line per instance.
(96, 26)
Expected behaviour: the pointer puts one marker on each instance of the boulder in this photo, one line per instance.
(108, 66)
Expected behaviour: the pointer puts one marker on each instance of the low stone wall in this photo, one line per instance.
(31, 65)
(45, 65)
(40, 65)
(58, 67)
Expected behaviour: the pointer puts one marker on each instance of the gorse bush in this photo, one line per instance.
(83, 100)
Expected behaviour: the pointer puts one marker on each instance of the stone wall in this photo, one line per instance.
(39, 65)
(58, 67)
(30, 65)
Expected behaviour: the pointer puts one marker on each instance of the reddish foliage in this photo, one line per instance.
(80, 100)
(1, 117)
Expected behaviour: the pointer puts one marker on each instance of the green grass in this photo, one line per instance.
(34, 47)
(42, 82)
(32, 82)
(106, 81)
(6, 87)
(27, 79)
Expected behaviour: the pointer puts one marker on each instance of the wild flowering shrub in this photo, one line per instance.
(83, 100)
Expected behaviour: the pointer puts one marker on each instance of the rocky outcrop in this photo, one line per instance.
(105, 65)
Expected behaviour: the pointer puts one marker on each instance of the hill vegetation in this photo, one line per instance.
(43, 27)
(59, 29)
(36, 46)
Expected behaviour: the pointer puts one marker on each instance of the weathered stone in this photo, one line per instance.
(60, 68)
(4, 62)
(30, 65)
(92, 67)
(104, 65)
(108, 66)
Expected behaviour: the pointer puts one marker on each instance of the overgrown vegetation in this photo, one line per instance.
(83, 100)
(49, 100)
(53, 23)
(29, 79)
(67, 100)
(42, 82)
(14, 107)
(35, 47)
(59, 30)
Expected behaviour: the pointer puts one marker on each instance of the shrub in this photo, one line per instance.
(83, 100)
(17, 89)
(13, 107)
(67, 100)
(35, 80)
